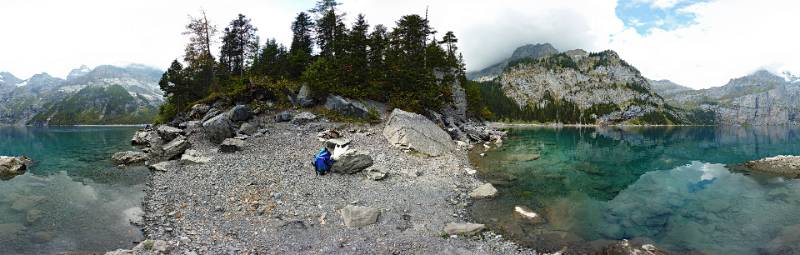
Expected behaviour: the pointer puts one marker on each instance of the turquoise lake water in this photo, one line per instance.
(670, 186)
(72, 199)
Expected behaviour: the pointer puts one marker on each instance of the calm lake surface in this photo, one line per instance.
(670, 186)
(72, 199)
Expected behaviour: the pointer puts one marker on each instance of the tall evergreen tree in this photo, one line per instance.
(357, 54)
(378, 41)
(239, 45)
(198, 51)
(272, 60)
(302, 45)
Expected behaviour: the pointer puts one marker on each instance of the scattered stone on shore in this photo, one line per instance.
(13, 166)
(786, 166)
(303, 118)
(527, 214)
(283, 116)
(346, 107)
(194, 157)
(231, 145)
(168, 133)
(247, 129)
(328, 134)
(471, 171)
(352, 163)
(413, 131)
(162, 166)
(484, 191)
(150, 247)
(218, 128)
(129, 157)
(175, 148)
(625, 247)
(463, 229)
(376, 174)
(359, 216)
(332, 143)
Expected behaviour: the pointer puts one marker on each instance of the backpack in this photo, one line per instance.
(323, 162)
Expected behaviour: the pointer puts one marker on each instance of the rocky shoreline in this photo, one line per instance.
(263, 197)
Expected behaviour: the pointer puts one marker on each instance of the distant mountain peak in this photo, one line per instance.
(533, 51)
(78, 72)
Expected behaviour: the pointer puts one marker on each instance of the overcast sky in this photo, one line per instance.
(696, 43)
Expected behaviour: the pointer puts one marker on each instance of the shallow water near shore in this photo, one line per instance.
(669, 186)
(72, 199)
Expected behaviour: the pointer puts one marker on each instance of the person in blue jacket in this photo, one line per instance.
(323, 161)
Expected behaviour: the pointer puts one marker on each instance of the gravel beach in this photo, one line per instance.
(266, 198)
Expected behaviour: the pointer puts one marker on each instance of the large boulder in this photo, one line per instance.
(218, 128)
(359, 216)
(145, 137)
(168, 133)
(303, 118)
(129, 157)
(210, 114)
(198, 111)
(464, 229)
(304, 98)
(415, 132)
(175, 148)
(352, 163)
(346, 107)
(240, 113)
(231, 145)
(13, 166)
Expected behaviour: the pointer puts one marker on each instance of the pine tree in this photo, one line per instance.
(301, 48)
(239, 45)
(357, 55)
(272, 60)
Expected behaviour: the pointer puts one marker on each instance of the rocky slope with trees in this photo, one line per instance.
(759, 99)
(574, 87)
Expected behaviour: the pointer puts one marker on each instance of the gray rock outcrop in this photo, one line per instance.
(413, 131)
(304, 98)
(786, 166)
(198, 111)
(283, 116)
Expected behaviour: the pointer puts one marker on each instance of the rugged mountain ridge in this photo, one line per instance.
(581, 87)
(23, 100)
(526, 51)
(758, 99)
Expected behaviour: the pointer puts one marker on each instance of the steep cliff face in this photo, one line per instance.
(578, 87)
(759, 99)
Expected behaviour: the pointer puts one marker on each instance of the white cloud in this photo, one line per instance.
(729, 38)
